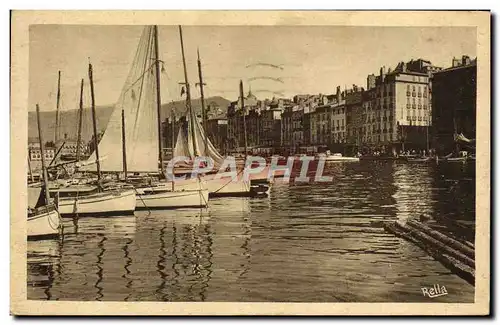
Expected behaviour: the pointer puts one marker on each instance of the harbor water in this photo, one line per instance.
(306, 242)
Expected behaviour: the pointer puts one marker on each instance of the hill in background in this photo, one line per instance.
(69, 118)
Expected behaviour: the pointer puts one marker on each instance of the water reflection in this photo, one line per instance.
(320, 242)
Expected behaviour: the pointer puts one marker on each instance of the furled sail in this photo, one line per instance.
(181, 146)
(193, 138)
(201, 138)
(139, 102)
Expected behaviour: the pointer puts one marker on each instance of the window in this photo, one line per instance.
(408, 118)
(414, 118)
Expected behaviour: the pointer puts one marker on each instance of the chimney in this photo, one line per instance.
(370, 81)
(465, 60)
(455, 62)
(338, 95)
(382, 73)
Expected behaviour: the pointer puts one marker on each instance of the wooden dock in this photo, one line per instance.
(457, 256)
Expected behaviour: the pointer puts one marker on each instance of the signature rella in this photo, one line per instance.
(434, 291)
(253, 165)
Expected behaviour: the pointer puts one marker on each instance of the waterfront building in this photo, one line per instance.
(287, 126)
(328, 122)
(35, 153)
(454, 103)
(354, 118)
(270, 127)
(216, 131)
(235, 130)
(398, 107)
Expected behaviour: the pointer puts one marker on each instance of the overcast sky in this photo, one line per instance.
(313, 59)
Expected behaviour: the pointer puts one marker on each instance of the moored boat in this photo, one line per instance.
(43, 222)
(327, 156)
(136, 123)
(156, 198)
(95, 203)
(419, 160)
(192, 142)
(43, 218)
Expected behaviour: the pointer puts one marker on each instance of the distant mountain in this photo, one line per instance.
(69, 118)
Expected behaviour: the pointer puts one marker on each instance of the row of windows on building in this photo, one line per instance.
(329, 126)
(35, 156)
(323, 134)
(417, 118)
(380, 137)
(414, 93)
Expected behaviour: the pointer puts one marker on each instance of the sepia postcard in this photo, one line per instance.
(250, 162)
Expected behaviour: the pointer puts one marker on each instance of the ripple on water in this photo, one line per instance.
(304, 243)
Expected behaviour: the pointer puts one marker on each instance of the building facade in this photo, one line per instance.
(397, 107)
(354, 118)
(270, 127)
(35, 153)
(454, 103)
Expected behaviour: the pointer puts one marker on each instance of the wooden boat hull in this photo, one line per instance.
(419, 160)
(44, 224)
(459, 160)
(104, 203)
(216, 186)
(171, 199)
(341, 159)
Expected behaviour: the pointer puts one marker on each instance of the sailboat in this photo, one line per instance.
(43, 217)
(136, 123)
(95, 200)
(193, 142)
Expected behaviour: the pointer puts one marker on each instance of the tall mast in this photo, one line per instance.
(29, 167)
(192, 116)
(173, 130)
(203, 112)
(173, 143)
(56, 135)
(80, 116)
(94, 124)
(42, 151)
(124, 147)
(243, 112)
(158, 97)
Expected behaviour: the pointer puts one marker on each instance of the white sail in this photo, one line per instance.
(139, 102)
(181, 146)
(191, 143)
(201, 138)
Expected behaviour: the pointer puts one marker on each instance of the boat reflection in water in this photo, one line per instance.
(306, 242)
